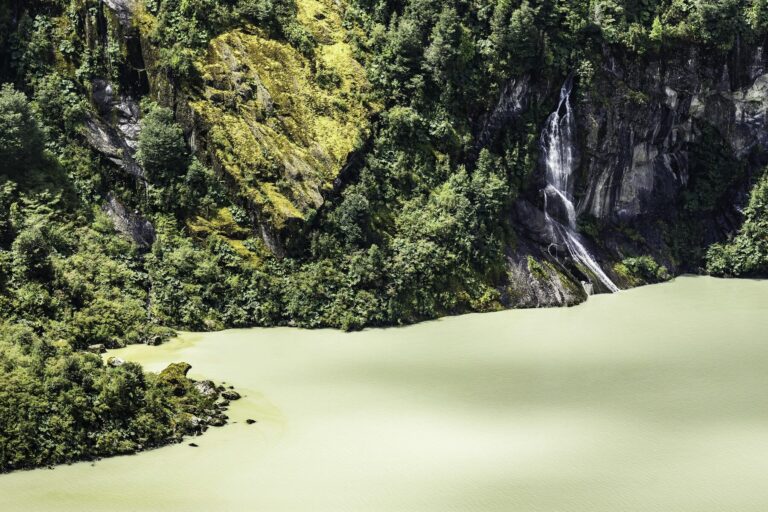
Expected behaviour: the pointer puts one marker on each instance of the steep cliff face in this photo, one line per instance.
(112, 128)
(277, 123)
(281, 125)
(348, 164)
(668, 149)
(663, 148)
(643, 122)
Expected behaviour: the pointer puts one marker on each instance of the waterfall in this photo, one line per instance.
(557, 144)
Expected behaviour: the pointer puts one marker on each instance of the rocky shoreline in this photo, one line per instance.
(206, 402)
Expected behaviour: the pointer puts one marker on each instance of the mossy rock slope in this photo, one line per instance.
(280, 124)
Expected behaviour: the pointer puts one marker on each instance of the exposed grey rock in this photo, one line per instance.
(638, 147)
(130, 224)
(195, 422)
(115, 131)
(114, 362)
(206, 388)
(513, 101)
(758, 65)
(217, 421)
(536, 280)
(98, 348)
(154, 341)
(746, 117)
(636, 126)
(104, 139)
(124, 10)
(531, 222)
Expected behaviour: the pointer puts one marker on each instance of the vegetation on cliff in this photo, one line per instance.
(205, 164)
(747, 253)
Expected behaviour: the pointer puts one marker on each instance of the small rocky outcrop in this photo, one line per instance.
(130, 224)
(537, 279)
(216, 420)
(230, 395)
(175, 376)
(205, 400)
(115, 362)
(206, 388)
(113, 129)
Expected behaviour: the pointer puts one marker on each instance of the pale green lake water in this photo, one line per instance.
(650, 400)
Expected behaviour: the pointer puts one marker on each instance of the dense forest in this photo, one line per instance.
(204, 164)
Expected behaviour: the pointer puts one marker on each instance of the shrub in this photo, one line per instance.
(162, 150)
(641, 270)
(747, 253)
(21, 140)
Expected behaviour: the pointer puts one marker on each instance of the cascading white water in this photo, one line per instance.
(557, 142)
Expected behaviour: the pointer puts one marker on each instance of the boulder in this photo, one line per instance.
(206, 388)
(230, 395)
(154, 341)
(195, 422)
(217, 421)
(114, 362)
(175, 376)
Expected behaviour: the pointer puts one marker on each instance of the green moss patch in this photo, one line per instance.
(281, 124)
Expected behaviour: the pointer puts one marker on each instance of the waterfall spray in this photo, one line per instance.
(557, 143)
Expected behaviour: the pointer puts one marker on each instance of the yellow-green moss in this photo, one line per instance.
(641, 270)
(276, 127)
(223, 226)
(536, 270)
(223, 223)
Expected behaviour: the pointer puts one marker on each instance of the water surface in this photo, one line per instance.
(650, 400)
